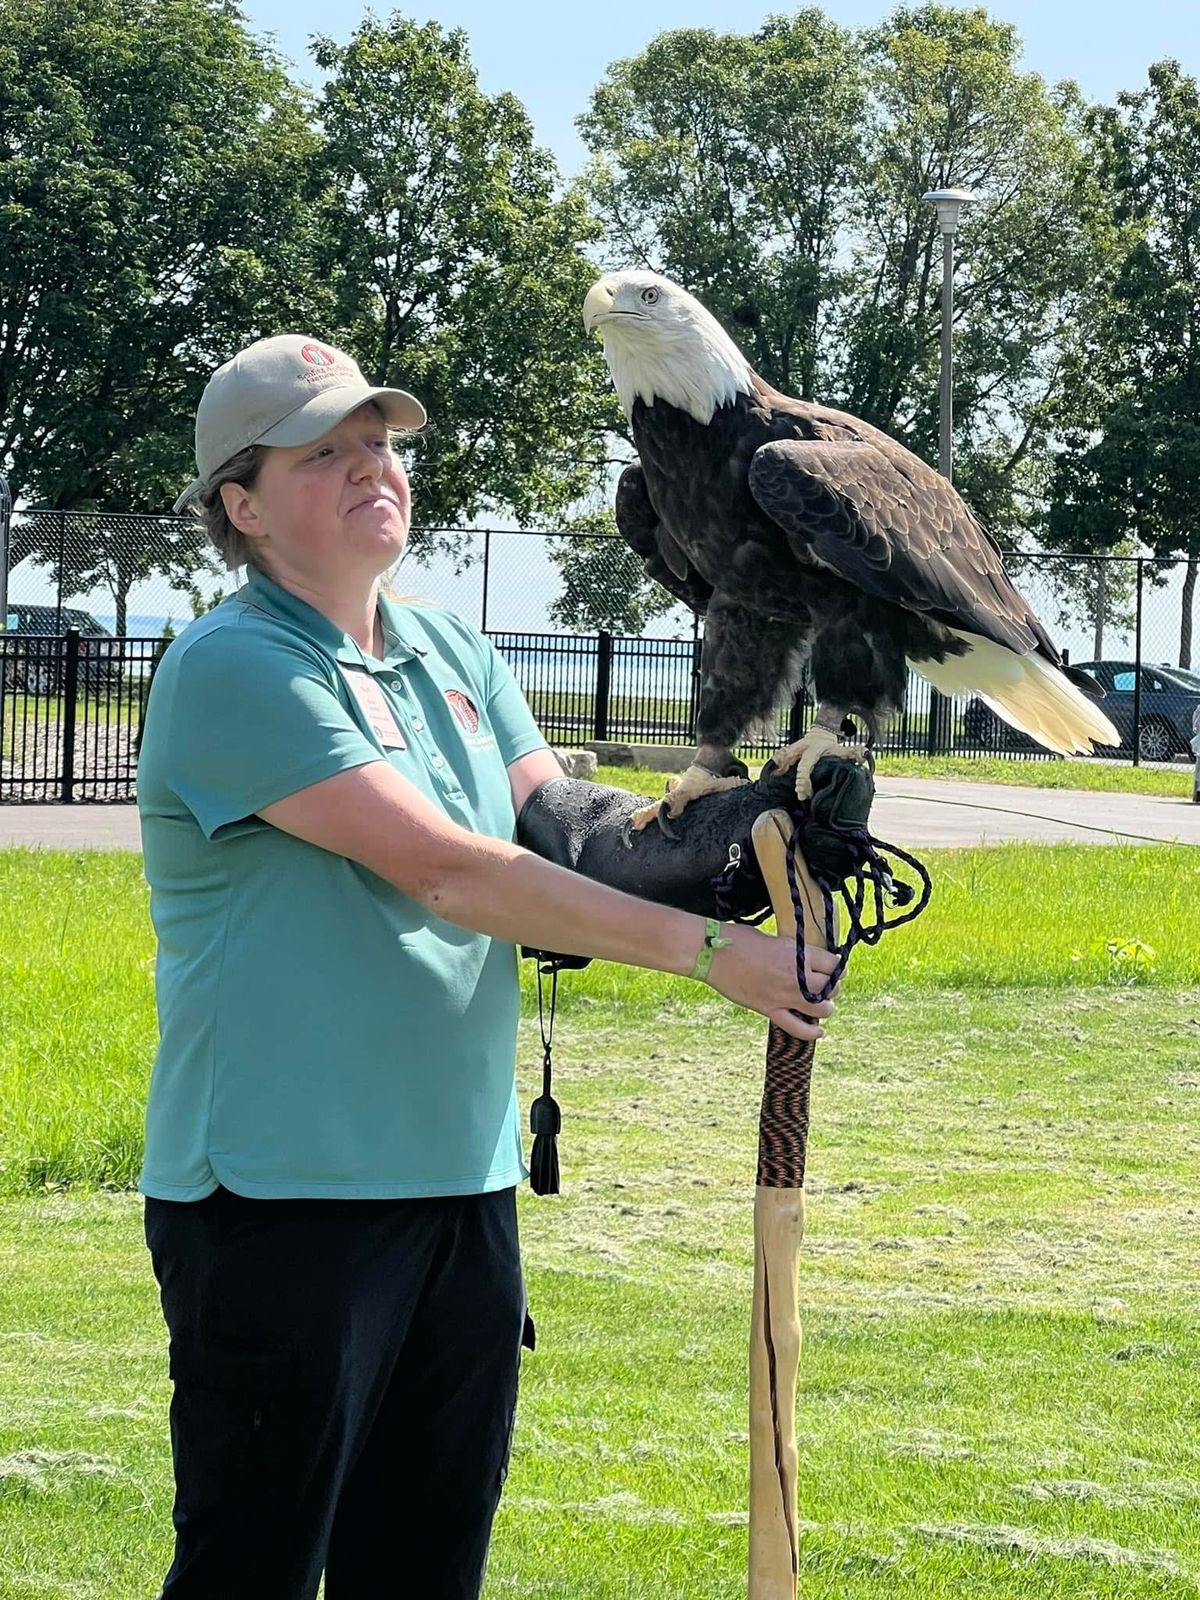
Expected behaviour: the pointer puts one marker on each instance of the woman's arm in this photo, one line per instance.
(526, 772)
(376, 817)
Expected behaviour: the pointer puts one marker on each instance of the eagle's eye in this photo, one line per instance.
(649, 296)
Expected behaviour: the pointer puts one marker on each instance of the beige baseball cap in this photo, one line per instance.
(287, 390)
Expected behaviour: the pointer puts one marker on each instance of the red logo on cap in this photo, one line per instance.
(317, 356)
(463, 710)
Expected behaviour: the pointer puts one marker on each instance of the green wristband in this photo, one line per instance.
(712, 941)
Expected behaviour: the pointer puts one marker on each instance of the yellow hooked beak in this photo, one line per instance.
(597, 304)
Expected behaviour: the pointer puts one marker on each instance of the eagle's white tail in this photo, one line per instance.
(1026, 691)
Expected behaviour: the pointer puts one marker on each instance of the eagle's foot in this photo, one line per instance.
(681, 792)
(817, 743)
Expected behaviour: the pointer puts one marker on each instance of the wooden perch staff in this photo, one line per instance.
(778, 1231)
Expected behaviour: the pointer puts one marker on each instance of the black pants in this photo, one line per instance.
(345, 1382)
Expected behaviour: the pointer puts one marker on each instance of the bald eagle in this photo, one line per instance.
(809, 538)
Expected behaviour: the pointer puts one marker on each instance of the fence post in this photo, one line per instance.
(604, 650)
(70, 694)
(796, 714)
(1137, 669)
(694, 684)
(487, 564)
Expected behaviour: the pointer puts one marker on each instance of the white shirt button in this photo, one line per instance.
(439, 761)
(418, 725)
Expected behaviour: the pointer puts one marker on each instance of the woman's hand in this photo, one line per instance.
(759, 972)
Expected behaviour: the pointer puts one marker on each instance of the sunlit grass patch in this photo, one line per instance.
(76, 973)
(1106, 777)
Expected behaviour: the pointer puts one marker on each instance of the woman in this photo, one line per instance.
(328, 783)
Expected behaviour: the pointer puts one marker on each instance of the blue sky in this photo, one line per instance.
(551, 54)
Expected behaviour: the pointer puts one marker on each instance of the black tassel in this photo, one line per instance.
(545, 1117)
(545, 1121)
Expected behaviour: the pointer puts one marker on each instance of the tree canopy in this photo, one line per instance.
(779, 176)
(1129, 460)
(456, 270)
(156, 217)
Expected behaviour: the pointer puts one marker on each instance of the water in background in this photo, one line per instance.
(143, 626)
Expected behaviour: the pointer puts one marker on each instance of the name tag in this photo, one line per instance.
(374, 706)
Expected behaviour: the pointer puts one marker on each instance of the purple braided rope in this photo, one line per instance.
(875, 871)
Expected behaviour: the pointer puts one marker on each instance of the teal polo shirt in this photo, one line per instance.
(322, 1033)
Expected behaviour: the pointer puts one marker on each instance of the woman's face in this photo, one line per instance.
(327, 509)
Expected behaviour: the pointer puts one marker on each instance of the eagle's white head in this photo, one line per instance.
(660, 343)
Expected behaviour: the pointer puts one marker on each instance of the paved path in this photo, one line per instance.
(918, 812)
(71, 827)
(932, 812)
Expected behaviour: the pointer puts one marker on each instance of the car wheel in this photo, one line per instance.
(1155, 742)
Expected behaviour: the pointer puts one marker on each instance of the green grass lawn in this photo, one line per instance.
(94, 704)
(76, 973)
(1108, 777)
(1097, 776)
(997, 1394)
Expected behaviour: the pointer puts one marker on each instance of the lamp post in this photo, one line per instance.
(5, 518)
(949, 203)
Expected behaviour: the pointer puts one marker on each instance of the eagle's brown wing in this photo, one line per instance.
(891, 526)
(664, 561)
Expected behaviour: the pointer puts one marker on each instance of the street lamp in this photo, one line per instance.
(5, 516)
(949, 203)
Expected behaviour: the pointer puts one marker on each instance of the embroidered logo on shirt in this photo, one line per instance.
(464, 711)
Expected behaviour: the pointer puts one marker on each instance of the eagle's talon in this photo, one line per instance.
(804, 754)
(696, 781)
(639, 820)
(664, 824)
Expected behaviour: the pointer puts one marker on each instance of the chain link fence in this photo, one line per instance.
(600, 653)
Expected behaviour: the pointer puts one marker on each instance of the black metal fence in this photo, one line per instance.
(583, 688)
(70, 715)
(71, 708)
(562, 612)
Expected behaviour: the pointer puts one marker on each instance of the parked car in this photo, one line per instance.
(1170, 699)
(984, 730)
(37, 665)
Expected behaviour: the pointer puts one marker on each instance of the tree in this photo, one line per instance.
(152, 186)
(1129, 465)
(726, 161)
(457, 273)
(950, 108)
(87, 550)
(779, 176)
(604, 584)
(153, 206)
